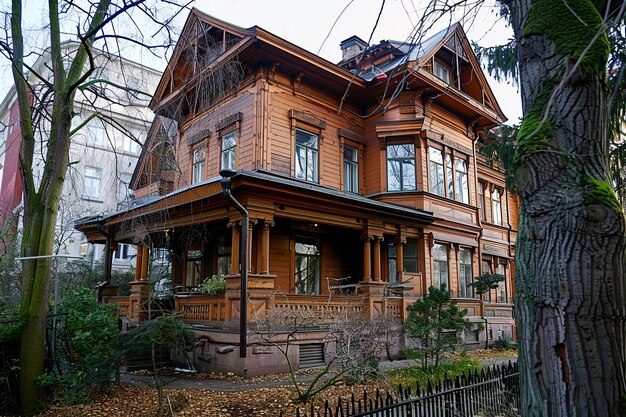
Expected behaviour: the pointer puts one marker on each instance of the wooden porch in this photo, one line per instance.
(217, 311)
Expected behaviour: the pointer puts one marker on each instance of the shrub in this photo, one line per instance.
(86, 336)
(410, 353)
(435, 321)
(503, 343)
(408, 376)
(10, 324)
(213, 286)
(166, 331)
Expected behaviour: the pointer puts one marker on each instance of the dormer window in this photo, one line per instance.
(442, 72)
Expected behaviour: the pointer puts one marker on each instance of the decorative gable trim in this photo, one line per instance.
(230, 120)
(195, 137)
(352, 136)
(305, 117)
(429, 135)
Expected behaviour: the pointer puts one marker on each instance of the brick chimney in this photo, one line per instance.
(351, 47)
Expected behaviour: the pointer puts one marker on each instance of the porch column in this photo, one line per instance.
(234, 249)
(138, 263)
(377, 271)
(250, 240)
(367, 262)
(109, 248)
(139, 288)
(400, 257)
(144, 263)
(265, 247)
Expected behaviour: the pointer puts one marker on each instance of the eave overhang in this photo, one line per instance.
(209, 192)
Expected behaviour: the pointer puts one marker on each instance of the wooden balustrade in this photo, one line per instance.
(323, 308)
(394, 307)
(201, 308)
(123, 304)
(207, 309)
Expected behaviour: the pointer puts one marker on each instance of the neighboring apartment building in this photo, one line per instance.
(361, 179)
(103, 153)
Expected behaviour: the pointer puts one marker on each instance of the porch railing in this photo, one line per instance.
(394, 307)
(201, 308)
(123, 304)
(322, 307)
(206, 309)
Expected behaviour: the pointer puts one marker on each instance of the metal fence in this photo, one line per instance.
(493, 391)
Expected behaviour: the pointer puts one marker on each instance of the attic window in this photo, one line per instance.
(441, 72)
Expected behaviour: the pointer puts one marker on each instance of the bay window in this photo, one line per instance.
(462, 189)
(436, 172)
(401, 167)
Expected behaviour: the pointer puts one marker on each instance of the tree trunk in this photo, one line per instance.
(570, 290)
(38, 240)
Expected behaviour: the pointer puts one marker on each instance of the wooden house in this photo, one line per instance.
(362, 181)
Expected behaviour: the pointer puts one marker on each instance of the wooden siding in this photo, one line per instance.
(281, 134)
(281, 256)
(242, 103)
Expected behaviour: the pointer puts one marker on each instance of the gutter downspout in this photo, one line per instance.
(243, 261)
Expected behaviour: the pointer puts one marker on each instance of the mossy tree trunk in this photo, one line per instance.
(570, 304)
(41, 203)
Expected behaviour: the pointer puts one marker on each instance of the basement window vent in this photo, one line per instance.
(312, 355)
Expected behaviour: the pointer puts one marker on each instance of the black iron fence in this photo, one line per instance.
(493, 391)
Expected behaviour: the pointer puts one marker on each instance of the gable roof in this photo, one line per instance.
(256, 46)
(417, 55)
(194, 19)
(161, 130)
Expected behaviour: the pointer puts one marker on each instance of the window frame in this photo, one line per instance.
(123, 251)
(193, 258)
(129, 146)
(466, 291)
(402, 161)
(406, 255)
(96, 133)
(502, 294)
(309, 151)
(441, 262)
(89, 178)
(351, 166)
(482, 212)
(200, 163)
(230, 151)
(223, 254)
(496, 207)
(392, 261)
(317, 257)
(486, 261)
(437, 65)
(461, 193)
(440, 167)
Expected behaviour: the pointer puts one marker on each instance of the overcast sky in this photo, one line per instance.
(308, 23)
